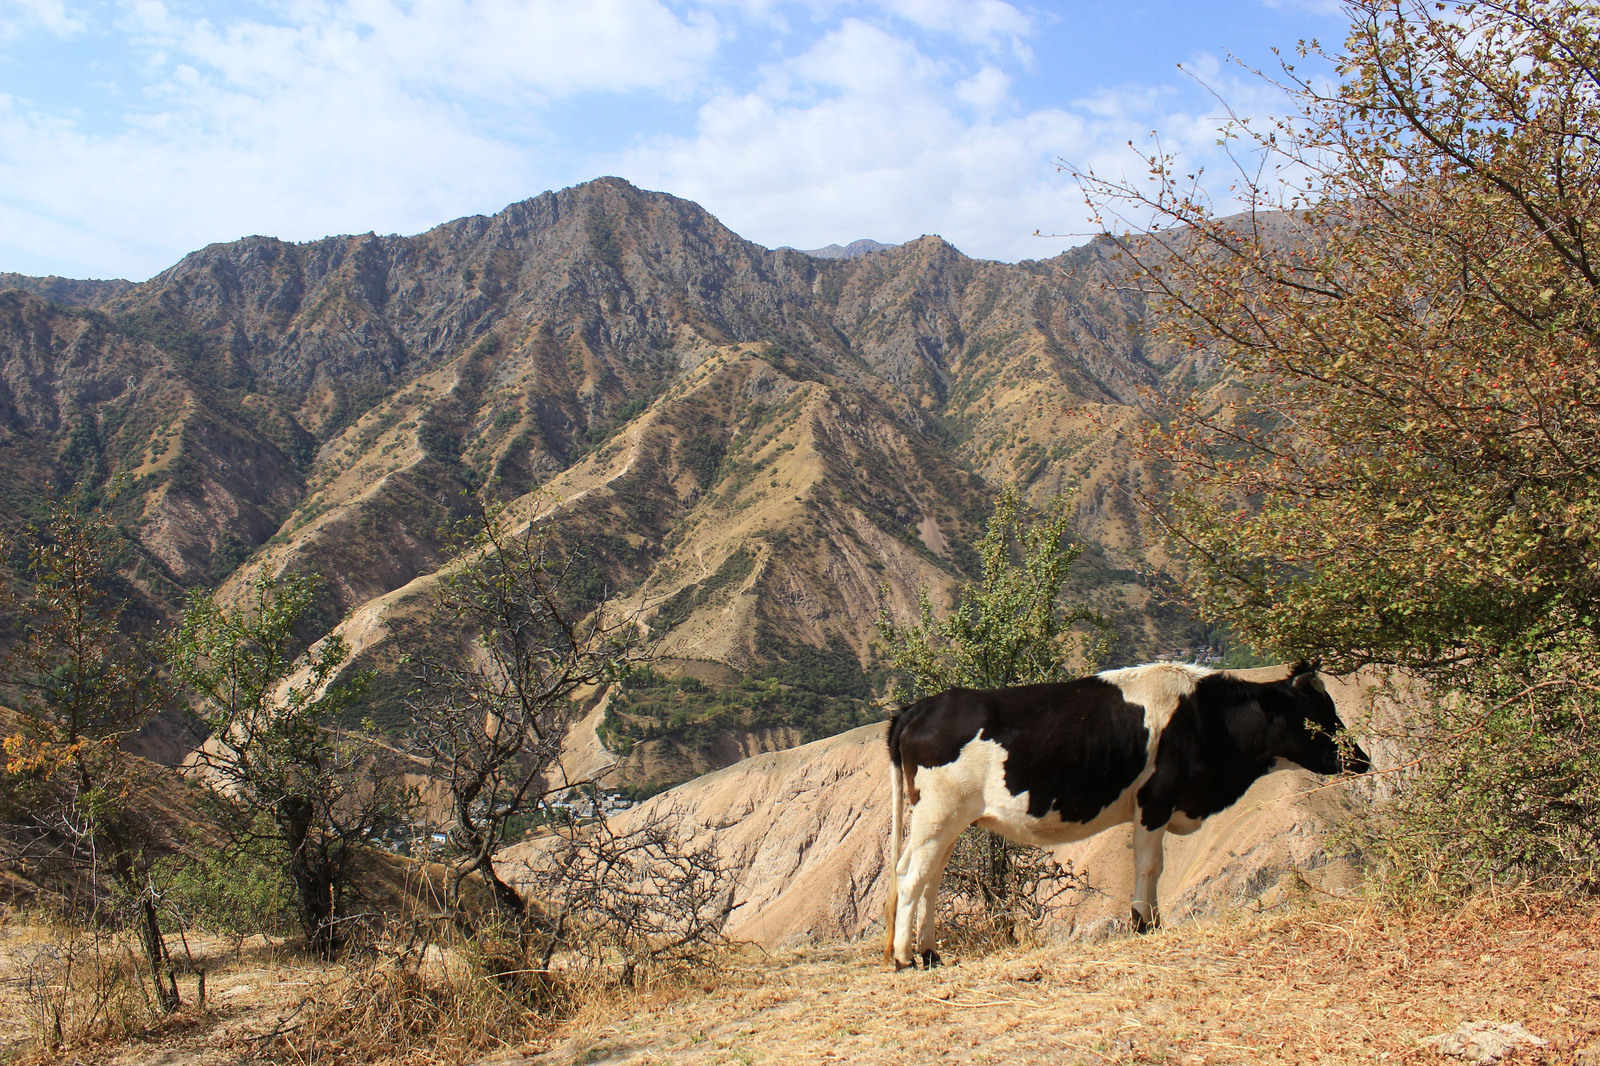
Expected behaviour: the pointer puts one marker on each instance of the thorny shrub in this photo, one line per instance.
(610, 910)
(648, 900)
(997, 895)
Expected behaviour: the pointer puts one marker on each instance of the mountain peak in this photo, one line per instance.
(847, 251)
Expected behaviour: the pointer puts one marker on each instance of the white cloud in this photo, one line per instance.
(344, 115)
(873, 138)
(976, 21)
(986, 91)
(860, 58)
(477, 47)
(19, 16)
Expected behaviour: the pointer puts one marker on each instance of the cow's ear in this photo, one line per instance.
(1303, 671)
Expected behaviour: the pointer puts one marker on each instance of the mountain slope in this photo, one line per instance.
(761, 448)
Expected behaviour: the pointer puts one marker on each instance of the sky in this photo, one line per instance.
(135, 131)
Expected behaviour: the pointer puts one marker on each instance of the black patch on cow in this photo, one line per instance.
(1074, 747)
(1219, 741)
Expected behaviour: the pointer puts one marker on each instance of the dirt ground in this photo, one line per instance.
(1335, 983)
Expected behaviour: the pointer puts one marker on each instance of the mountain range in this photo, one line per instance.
(763, 448)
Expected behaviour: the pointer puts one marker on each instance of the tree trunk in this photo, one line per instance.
(149, 926)
(155, 951)
(1002, 905)
(313, 880)
(507, 900)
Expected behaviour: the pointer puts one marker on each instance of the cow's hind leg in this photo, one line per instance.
(1147, 863)
(932, 836)
(928, 906)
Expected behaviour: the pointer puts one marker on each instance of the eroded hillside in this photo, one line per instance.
(760, 449)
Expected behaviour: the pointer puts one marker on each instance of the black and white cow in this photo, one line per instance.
(1162, 746)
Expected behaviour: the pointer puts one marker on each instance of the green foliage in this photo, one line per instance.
(228, 557)
(1408, 474)
(702, 454)
(82, 686)
(1007, 628)
(438, 440)
(1509, 790)
(817, 691)
(163, 330)
(82, 466)
(285, 776)
(228, 892)
(77, 677)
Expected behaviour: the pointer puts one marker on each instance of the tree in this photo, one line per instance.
(288, 776)
(529, 624)
(1008, 628)
(1402, 467)
(81, 685)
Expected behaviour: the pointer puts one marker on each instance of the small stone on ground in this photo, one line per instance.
(1483, 1042)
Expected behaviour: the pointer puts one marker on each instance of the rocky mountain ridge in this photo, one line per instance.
(762, 447)
(848, 251)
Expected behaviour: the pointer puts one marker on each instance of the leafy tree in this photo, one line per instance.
(532, 625)
(1403, 468)
(1008, 628)
(81, 686)
(288, 780)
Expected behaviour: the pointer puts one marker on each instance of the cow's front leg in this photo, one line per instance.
(1147, 863)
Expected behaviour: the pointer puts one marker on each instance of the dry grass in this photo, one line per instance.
(1336, 983)
(446, 1011)
(251, 989)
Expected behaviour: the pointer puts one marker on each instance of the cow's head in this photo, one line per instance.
(1304, 727)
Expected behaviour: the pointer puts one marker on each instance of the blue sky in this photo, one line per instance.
(133, 131)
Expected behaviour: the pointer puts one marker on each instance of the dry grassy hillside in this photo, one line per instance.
(1335, 983)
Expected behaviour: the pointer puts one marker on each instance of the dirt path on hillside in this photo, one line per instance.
(1336, 984)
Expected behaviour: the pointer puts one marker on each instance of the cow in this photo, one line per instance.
(1162, 746)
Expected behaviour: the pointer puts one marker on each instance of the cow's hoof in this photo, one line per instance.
(1141, 924)
(930, 959)
(898, 965)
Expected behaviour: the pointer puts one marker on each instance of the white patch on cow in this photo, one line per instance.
(978, 775)
(958, 788)
(1157, 688)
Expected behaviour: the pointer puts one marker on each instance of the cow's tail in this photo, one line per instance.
(897, 798)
